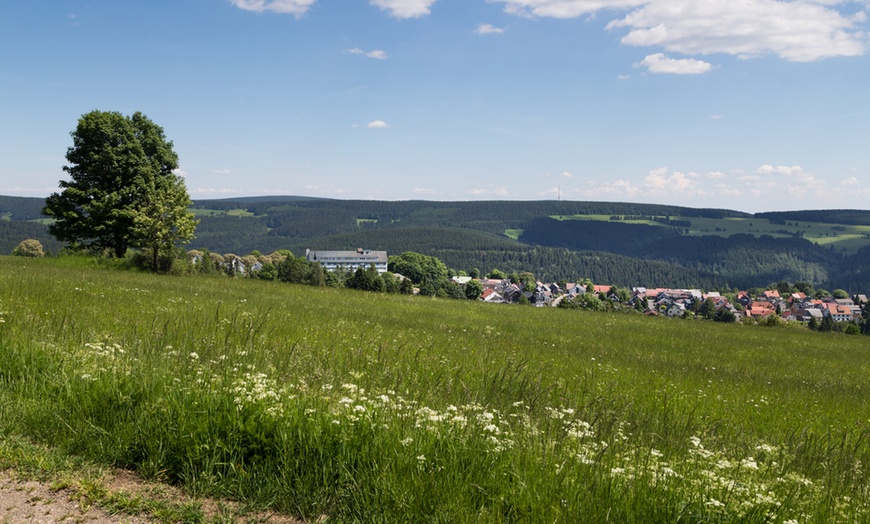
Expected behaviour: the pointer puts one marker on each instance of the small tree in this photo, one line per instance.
(473, 290)
(29, 248)
(497, 274)
(163, 220)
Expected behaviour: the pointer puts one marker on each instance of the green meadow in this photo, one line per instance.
(361, 407)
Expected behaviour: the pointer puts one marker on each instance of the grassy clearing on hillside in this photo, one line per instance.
(200, 212)
(365, 407)
(845, 238)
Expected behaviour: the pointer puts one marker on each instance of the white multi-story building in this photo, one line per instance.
(332, 260)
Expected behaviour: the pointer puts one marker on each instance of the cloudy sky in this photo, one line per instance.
(751, 105)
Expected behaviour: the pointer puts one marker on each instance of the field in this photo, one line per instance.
(370, 408)
(844, 238)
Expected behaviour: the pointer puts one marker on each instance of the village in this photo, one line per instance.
(794, 307)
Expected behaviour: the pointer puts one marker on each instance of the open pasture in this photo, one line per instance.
(371, 408)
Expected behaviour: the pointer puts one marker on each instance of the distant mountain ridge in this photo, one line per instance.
(611, 242)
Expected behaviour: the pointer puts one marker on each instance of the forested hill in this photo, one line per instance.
(611, 242)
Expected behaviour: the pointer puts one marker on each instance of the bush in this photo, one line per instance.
(29, 248)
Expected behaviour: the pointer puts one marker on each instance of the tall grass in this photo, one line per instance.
(364, 407)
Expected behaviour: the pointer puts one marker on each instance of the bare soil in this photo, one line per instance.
(37, 502)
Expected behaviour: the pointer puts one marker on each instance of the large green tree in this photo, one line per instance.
(123, 191)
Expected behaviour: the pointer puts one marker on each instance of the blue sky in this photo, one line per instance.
(753, 105)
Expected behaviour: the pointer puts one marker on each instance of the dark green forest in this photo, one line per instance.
(466, 235)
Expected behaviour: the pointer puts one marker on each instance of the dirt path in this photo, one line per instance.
(119, 497)
(34, 502)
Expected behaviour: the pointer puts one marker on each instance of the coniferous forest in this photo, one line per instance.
(624, 244)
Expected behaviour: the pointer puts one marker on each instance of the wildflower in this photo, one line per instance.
(193, 355)
(491, 428)
(359, 409)
(715, 503)
(406, 441)
(749, 463)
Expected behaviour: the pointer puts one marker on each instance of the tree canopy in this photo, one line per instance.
(123, 190)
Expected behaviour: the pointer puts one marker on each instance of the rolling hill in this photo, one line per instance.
(618, 243)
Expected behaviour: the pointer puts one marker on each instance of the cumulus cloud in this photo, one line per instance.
(660, 63)
(179, 172)
(617, 189)
(849, 181)
(791, 180)
(404, 8)
(488, 29)
(291, 7)
(799, 31)
(658, 180)
(222, 172)
(378, 124)
(563, 8)
(376, 54)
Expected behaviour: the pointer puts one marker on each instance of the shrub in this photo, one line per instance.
(29, 248)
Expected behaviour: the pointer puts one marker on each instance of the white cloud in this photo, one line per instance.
(376, 54)
(179, 172)
(717, 117)
(378, 124)
(405, 8)
(660, 63)
(795, 30)
(563, 8)
(724, 190)
(291, 7)
(658, 180)
(800, 31)
(222, 172)
(422, 191)
(849, 181)
(566, 174)
(791, 180)
(787, 171)
(488, 29)
(617, 189)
